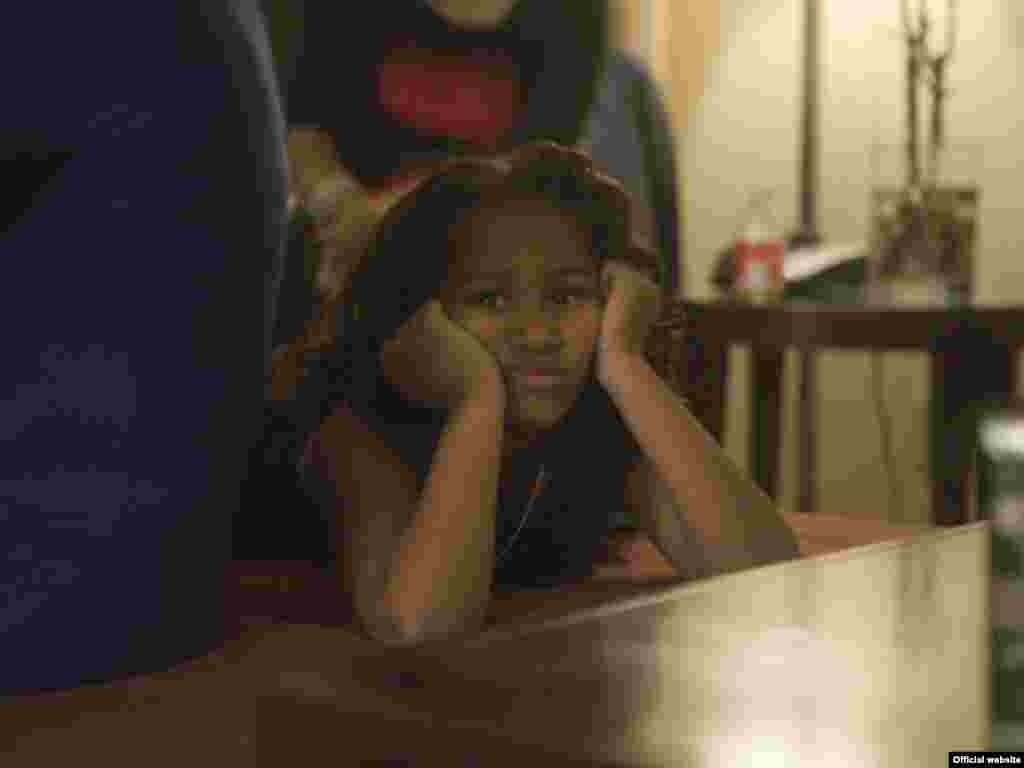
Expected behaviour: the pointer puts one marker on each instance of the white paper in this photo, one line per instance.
(804, 262)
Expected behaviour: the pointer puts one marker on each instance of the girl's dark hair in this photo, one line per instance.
(407, 261)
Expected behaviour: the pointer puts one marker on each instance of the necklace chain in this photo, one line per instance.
(538, 487)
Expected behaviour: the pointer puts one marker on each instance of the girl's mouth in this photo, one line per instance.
(539, 379)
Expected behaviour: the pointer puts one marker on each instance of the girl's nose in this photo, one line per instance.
(535, 324)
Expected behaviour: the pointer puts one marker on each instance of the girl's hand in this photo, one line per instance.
(344, 220)
(633, 302)
(435, 362)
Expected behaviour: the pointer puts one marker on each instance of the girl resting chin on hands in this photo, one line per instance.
(497, 411)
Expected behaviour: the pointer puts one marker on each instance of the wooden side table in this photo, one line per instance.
(973, 349)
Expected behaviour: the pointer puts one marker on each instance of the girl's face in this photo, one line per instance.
(525, 282)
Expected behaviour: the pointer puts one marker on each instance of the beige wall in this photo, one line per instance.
(732, 72)
(677, 39)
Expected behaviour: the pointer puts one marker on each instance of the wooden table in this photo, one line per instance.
(973, 351)
(873, 656)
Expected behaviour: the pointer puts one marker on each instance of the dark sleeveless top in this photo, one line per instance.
(586, 460)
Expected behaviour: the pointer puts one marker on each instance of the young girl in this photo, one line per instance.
(497, 412)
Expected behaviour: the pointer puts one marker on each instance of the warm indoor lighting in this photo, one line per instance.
(799, 724)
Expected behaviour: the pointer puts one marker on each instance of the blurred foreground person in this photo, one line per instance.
(146, 151)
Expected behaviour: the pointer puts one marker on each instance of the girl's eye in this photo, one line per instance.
(488, 299)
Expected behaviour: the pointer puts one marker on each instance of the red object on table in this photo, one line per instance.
(759, 264)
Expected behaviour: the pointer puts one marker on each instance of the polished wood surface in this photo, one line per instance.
(692, 341)
(875, 655)
(864, 326)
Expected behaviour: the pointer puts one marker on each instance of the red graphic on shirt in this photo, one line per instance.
(473, 96)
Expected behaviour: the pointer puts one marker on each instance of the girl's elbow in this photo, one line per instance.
(393, 627)
(384, 623)
(419, 629)
(393, 633)
(409, 634)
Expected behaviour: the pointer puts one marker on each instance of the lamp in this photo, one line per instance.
(810, 146)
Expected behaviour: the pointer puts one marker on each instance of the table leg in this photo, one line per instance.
(946, 486)
(807, 502)
(766, 410)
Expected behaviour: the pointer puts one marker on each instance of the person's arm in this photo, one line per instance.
(419, 565)
(704, 514)
(650, 506)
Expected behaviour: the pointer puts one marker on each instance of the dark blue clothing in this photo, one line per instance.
(629, 136)
(138, 292)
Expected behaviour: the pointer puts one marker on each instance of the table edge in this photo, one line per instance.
(662, 593)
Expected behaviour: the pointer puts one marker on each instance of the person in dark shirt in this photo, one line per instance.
(489, 409)
(145, 147)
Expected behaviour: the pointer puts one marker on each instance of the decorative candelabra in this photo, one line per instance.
(926, 228)
(930, 66)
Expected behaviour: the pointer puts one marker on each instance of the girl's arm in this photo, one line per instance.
(703, 513)
(649, 502)
(419, 565)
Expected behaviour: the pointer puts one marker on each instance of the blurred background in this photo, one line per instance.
(728, 75)
(731, 72)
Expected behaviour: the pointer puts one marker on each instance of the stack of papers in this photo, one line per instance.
(803, 263)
